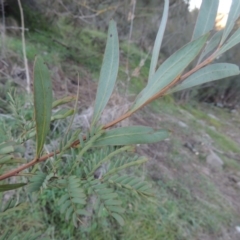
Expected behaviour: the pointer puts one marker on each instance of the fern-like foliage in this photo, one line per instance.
(102, 157)
(69, 138)
(40, 181)
(12, 205)
(23, 235)
(108, 203)
(89, 183)
(132, 183)
(123, 163)
(73, 200)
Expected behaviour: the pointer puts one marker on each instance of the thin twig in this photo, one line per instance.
(17, 28)
(75, 107)
(131, 15)
(164, 90)
(24, 48)
(15, 172)
(3, 29)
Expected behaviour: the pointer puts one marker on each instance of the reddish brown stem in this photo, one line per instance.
(121, 118)
(27, 165)
(16, 171)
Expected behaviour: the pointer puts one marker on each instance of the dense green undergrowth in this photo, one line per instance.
(176, 212)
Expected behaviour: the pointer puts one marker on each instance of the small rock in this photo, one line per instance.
(201, 122)
(212, 116)
(191, 147)
(214, 161)
(238, 185)
(182, 124)
(234, 111)
(212, 128)
(238, 229)
(219, 104)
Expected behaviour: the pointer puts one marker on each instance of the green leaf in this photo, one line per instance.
(14, 205)
(19, 149)
(69, 212)
(108, 157)
(133, 182)
(65, 206)
(105, 191)
(37, 182)
(78, 200)
(143, 188)
(158, 41)
(231, 42)
(76, 193)
(113, 202)
(73, 199)
(63, 101)
(211, 45)
(7, 187)
(109, 71)
(169, 70)
(139, 185)
(116, 209)
(131, 135)
(63, 199)
(6, 149)
(42, 102)
(126, 165)
(118, 218)
(18, 207)
(109, 196)
(102, 212)
(62, 113)
(9, 159)
(206, 18)
(233, 15)
(83, 212)
(98, 186)
(75, 219)
(117, 178)
(10, 147)
(127, 180)
(29, 134)
(4, 159)
(207, 74)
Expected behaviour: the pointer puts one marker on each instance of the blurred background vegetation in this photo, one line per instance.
(76, 31)
(71, 36)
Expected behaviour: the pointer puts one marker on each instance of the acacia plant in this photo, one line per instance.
(95, 167)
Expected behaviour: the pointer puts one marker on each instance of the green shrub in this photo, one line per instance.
(86, 176)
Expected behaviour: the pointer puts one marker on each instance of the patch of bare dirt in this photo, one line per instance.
(195, 149)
